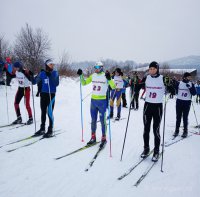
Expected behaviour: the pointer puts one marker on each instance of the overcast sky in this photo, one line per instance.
(139, 30)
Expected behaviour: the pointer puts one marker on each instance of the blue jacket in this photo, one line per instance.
(197, 86)
(51, 81)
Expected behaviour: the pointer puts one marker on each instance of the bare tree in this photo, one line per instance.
(32, 47)
(64, 67)
(4, 48)
(165, 69)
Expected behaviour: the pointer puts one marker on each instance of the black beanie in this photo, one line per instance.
(186, 74)
(118, 70)
(155, 65)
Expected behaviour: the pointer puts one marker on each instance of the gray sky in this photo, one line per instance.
(140, 30)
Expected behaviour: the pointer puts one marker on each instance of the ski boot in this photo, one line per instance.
(176, 133)
(30, 121)
(110, 116)
(185, 134)
(49, 133)
(155, 156)
(145, 153)
(103, 142)
(18, 121)
(40, 132)
(92, 140)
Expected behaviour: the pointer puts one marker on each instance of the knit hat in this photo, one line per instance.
(118, 70)
(49, 63)
(18, 64)
(155, 65)
(8, 60)
(186, 74)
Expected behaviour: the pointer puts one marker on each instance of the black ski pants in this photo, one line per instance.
(152, 111)
(135, 102)
(182, 109)
(47, 102)
(124, 103)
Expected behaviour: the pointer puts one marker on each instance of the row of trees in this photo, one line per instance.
(32, 47)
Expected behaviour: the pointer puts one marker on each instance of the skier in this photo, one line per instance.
(153, 108)
(50, 80)
(100, 82)
(24, 77)
(185, 90)
(172, 90)
(124, 102)
(1, 73)
(117, 93)
(10, 73)
(135, 90)
(197, 86)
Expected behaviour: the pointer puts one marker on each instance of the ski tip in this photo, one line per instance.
(9, 151)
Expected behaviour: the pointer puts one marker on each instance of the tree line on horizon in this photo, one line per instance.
(32, 47)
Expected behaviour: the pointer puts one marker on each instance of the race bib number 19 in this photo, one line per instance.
(152, 95)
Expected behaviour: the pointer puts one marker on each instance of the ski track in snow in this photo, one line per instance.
(32, 171)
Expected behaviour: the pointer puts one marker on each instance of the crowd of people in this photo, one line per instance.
(106, 88)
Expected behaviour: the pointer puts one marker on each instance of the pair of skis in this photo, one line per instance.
(144, 174)
(13, 126)
(39, 138)
(35, 141)
(81, 149)
(175, 140)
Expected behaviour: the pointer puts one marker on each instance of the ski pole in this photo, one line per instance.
(126, 127)
(25, 97)
(33, 106)
(7, 100)
(110, 137)
(163, 141)
(86, 96)
(195, 117)
(81, 109)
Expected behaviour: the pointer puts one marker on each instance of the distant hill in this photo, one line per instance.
(186, 62)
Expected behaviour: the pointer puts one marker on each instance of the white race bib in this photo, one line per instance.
(155, 89)
(22, 79)
(99, 84)
(184, 92)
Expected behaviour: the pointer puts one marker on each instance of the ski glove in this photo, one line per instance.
(107, 74)
(79, 72)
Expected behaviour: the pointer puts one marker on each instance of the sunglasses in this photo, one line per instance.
(97, 67)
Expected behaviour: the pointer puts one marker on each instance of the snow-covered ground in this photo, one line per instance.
(32, 171)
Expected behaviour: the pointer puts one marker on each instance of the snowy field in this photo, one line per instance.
(32, 171)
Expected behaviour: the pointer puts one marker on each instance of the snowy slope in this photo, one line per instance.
(32, 171)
